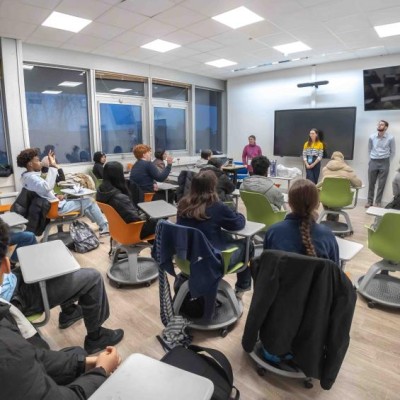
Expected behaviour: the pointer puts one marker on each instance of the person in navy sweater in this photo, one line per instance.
(201, 209)
(298, 232)
(145, 174)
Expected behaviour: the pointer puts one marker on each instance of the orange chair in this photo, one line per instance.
(5, 208)
(57, 219)
(132, 269)
(148, 196)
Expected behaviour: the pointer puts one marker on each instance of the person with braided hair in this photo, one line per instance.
(299, 232)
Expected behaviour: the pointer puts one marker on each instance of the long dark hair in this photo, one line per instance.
(113, 173)
(304, 200)
(202, 194)
(317, 139)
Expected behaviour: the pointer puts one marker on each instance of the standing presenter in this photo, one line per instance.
(250, 151)
(313, 152)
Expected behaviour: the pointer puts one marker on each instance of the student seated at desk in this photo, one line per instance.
(260, 183)
(145, 174)
(31, 180)
(201, 209)
(159, 157)
(99, 159)
(205, 155)
(114, 192)
(85, 286)
(20, 239)
(298, 232)
(30, 370)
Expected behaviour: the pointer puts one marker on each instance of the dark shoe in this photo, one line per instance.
(66, 320)
(107, 337)
(368, 205)
(240, 291)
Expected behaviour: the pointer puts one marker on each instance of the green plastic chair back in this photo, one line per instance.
(97, 181)
(385, 240)
(260, 210)
(336, 193)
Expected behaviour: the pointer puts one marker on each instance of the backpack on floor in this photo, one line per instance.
(209, 363)
(395, 203)
(84, 238)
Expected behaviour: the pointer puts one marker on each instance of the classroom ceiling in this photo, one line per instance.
(334, 29)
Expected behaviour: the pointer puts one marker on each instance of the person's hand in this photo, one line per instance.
(308, 166)
(90, 362)
(52, 159)
(169, 159)
(155, 187)
(109, 360)
(60, 196)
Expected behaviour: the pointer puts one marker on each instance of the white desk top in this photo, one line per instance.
(380, 212)
(236, 193)
(166, 186)
(347, 248)
(158, 209)
(250, 229)
(283, 178)
(142, 378)
(45, 261)
(81, 193)
(232, 167)
(13, 219)
(8, 195)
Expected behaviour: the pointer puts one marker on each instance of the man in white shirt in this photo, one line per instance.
(381, 148)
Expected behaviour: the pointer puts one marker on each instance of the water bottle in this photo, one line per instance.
(273, 168)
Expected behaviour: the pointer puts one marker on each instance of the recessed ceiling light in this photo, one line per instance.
(120, 90)
(52, 91)
(238, 17)
(70, 84)
(388, 30)
(66, 22)
(221, 63)
(161, 46)
(294, 47)
(28, 67)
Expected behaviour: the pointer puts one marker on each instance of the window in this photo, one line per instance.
(3, 146)
(170, 128)
(57, 109)
(119, 84)
(170, 91)
(208, 120)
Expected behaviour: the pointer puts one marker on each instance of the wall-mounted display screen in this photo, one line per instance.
(292, 128)
(382, 89)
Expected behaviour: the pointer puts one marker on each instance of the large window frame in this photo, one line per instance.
(5, 158)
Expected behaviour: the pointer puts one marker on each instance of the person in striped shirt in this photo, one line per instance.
(313, 151)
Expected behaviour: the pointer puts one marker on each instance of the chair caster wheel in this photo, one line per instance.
(308, 384)
(223, 332)
(371, 304)
(261, 371)
(148, 284)
(351, 233)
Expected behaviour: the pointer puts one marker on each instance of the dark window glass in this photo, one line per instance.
(208, 120)
(119, 87)
(170, 92)
(170, 128)
(3, 146)
(57, 108)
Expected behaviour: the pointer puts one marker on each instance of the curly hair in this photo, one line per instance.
(97, 156)
(260, 165)
(26, 156)
(304, 200)
(4, 239)
(139, 150)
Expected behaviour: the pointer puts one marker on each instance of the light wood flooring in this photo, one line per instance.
(371, 369)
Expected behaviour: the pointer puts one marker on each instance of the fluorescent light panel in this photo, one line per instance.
(161, 46)
(52, 91)
(120, 90)
(238, 17)
(70, 84)
(388, 30)
(28, 67)
(66, 22)
(221, 63)
(294, 47)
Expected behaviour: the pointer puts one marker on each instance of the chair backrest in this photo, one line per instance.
(120, 231)
(53, 212)
(336, 193)
(97, 181)
(385, 240)
(259, 209)
(241, 171)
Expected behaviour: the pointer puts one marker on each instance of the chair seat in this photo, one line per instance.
(5, 208)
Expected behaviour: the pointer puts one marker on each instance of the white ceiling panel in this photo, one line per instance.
(11, 10)
(180, 17)
(154, 28)
(46, 33)
(212, 8)
(49, 4)
(112, 49)
(103, 31)
(348, 23)
(385, 16)
(204, 45)
(334, 9)
(89, 9)
(207, 28)
(133, 38)
(149, 8)
(182, 37)
(121, 18)
(370, 5)
(83, 43)
(17, 30)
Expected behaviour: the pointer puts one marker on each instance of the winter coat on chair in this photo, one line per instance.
(301, 305)
(225, 186)
(337, 168)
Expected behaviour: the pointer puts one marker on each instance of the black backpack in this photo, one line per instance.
(210, 363)
(395, 203)
(84, 238)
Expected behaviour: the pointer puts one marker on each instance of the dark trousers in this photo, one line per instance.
(312, 174)
(378, 170)
(85, 286)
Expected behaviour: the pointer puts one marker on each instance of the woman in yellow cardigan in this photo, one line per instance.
(313, 152)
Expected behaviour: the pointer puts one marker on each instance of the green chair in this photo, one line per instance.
(259, 209)
(336, 195)
(380, 287)
(97, 181)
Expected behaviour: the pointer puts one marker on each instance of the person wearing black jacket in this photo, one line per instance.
(99, 159)
(114, 192)
(29, 371)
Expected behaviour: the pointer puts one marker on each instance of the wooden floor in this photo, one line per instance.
(371, 369)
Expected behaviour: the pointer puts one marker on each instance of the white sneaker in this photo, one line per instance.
(104, 231)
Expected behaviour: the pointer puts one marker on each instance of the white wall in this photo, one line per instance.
(252, 101)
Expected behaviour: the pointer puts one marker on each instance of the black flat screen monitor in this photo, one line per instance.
(382, 89)
(292, 128)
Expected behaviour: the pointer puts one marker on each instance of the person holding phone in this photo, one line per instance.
(313, 152)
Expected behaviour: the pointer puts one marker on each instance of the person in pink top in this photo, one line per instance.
(250, 151)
